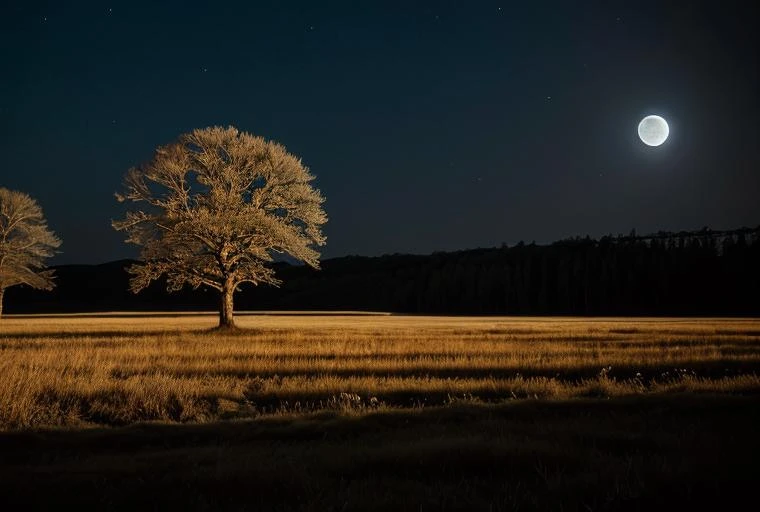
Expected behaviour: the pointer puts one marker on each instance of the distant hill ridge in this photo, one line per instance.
(686, 273)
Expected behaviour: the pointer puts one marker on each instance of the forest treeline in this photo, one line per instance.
(687, 273)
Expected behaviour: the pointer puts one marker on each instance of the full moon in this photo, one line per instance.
(653, 130)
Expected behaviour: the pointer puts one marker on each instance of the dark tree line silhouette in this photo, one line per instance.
(686, 273)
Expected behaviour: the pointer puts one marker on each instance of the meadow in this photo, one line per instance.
(373, 411)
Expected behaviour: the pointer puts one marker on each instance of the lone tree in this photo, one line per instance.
(217, 205)
(25, 242)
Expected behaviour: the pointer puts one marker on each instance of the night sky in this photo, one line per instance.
(429, 125)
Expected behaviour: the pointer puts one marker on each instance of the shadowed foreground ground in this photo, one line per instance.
(669, 451)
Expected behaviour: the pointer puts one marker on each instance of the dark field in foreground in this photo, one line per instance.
(675, 452)
(378, 412)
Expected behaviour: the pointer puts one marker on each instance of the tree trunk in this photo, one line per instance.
(226, 318)
(2, 292)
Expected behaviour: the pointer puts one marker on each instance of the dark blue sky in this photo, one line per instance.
(429, 125)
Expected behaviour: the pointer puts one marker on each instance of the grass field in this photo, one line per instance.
(339, 412)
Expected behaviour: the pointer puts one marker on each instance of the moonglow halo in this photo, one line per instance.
(653, 130)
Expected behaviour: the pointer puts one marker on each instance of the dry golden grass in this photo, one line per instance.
(120, 369)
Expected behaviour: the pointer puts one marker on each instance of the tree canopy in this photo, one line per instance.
(215, 207)
(25, 243)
